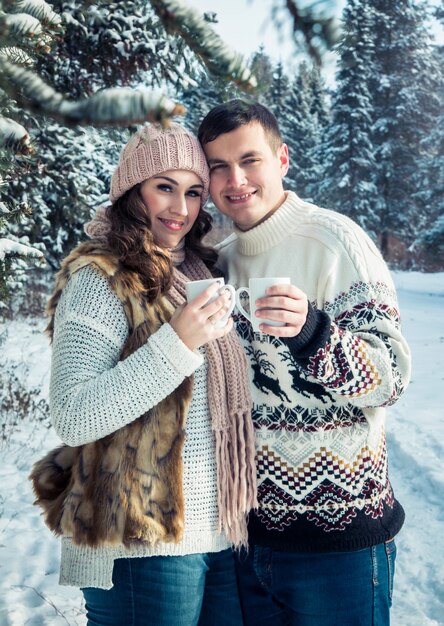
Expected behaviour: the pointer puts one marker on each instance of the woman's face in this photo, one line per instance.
(173, 200)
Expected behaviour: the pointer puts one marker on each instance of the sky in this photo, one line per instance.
(246, 24)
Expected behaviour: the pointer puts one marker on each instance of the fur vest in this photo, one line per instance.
(127, 487)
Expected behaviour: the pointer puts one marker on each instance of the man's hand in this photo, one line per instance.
(283, 303)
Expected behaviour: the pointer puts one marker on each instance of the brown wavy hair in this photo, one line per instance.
(130, 236)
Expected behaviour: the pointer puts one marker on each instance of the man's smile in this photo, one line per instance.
(240, 197)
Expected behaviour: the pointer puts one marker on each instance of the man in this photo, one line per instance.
(321, 540)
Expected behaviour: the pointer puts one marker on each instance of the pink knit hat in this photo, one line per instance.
(153, 150)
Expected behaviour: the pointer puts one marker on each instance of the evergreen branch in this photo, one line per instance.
(41, 10)
(6, 212)
(122, 107)
(9, 248)
(313, 26)
(110, 107)
(16, 55)
(21, 25)
(13, 214)
(14, 137)
(24, 31)
(220, 60)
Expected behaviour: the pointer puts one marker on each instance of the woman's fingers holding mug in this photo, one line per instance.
(207, 294)
(213, 299)
(206, 317)
(221, 315)
(222, 328)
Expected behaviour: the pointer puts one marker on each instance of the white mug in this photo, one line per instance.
(256, 289)
(196, 287)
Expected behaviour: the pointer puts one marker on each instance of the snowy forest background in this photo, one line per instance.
(76, 77)
(371, 147)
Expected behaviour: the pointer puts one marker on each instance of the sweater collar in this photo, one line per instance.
(178, 253)
(269, 233)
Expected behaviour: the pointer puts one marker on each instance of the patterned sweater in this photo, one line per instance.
(319, 398)
(92, 394)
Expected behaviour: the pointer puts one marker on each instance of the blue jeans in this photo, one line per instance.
(317, 589)
(191, 590)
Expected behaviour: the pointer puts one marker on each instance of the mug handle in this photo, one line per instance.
(238, 301)
(223, 320)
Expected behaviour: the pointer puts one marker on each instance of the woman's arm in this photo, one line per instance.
(92, 393)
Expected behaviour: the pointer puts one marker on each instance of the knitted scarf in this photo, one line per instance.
(229, 402)
(229, 398)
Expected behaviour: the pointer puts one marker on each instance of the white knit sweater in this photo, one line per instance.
(92, 394)
(319, 398)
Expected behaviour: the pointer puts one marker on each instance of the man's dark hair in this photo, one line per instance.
(231, 115)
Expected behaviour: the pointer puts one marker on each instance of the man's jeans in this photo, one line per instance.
(317, 589)
(191, 590)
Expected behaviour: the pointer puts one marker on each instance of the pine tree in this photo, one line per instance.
(12, 253)
(262, 67)
(404, 110)
(305, 104)
(347, 181)
(64, 62)
(71, 171)
(283, 101)
(277, 100)
(205, 92)
(68, 180)
(319, 107)
(277, 95)
(430, 178)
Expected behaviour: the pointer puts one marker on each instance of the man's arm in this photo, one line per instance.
(354, 347)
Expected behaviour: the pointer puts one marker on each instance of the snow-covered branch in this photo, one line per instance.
(10, 248)
(220, 59)
(22, 25)
(110, 107)
(316, 22)
(24, 31)
(39, 9)
(16, 55)
(121, 107)
(14, 137)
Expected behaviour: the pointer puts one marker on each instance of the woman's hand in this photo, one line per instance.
(195, 322)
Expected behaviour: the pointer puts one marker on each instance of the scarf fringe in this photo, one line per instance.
(236, 497)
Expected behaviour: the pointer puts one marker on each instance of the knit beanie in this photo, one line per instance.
(153, 150)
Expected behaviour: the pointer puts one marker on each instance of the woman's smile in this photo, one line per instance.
(173, 225)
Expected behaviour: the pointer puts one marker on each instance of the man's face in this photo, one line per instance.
(246, 175)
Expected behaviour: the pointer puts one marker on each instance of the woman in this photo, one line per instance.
(151, 398)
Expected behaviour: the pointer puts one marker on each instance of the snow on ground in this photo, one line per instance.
(29, 555)
(415, 427)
